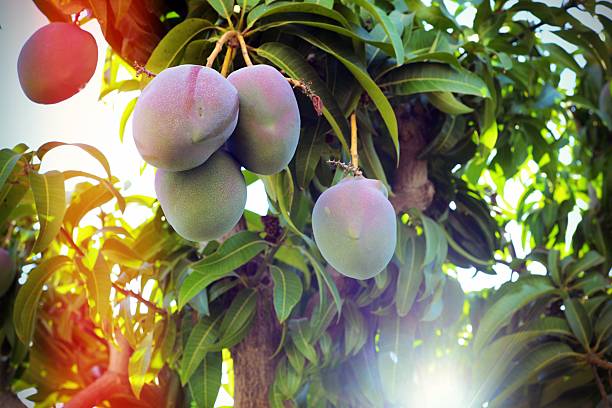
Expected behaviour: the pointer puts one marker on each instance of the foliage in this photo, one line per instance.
(497, 117)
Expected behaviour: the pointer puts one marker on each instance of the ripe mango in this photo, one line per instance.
(183, 116)
(355, 228)
(268, 130)
(56, 62)
(205, 202)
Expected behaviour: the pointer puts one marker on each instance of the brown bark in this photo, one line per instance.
(10, 400)
(411, 187)
(253, 363)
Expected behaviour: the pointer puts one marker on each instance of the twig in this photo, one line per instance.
(354, 154)
(119, 289)
(317, 103)
(244, 49)
(219, 47)
(600, 386)
(71, 242)
(140, 69)
(138, 297)
(347, 168)
(594, 359)
(229, 57)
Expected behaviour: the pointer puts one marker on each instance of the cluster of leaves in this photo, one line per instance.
(494, 113)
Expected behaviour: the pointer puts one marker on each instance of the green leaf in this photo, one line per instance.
(356, 330)
(50, 200)
(235, 252)
(238, 318)
(92, 151)
(139, 364)
(590, 260)
(355, 66)
(170, 46)
(433, 77)
(553, 266)
(515, 296)
(395, 355)
(265, 10)
(98, 283)
(224, 8)
(309, 151)
(324, 276)
(301, 336)
(294, 64)
(447, 103)
(494, 362)
(8, 160)
(530, 366)
(84, 202)
(578, 320)
(410, 274)
(206, 380)
(26, 302)
(202, 339)
(287, 291)
(127, 112)
(387, 25)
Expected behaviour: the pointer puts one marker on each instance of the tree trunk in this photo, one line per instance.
(253, 363)
(10, 400)
(411, 187)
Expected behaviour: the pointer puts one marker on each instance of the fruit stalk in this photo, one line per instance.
(354, 154)
(245, 51)
(219, 47)
(229, 57)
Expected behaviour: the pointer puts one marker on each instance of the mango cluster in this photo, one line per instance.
(56, 62)
(355, 227)
(198, 128)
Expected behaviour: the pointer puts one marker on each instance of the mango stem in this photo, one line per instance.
(229, 57)
(354, 154)
(219, 47)
(244, 49)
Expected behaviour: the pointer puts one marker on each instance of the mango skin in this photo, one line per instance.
(56, 62)
(7, 271)
(183, 116)
(206, 202)
(355, 227)
(268, 130)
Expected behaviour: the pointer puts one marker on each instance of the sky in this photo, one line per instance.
(85, 119)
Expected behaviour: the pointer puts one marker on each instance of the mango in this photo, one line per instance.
(268, 130)
(183, 116)
(355, 227)
(56, 62)
(205, 202)
(7, 271)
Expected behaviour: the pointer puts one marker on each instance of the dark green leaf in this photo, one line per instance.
(287, 291)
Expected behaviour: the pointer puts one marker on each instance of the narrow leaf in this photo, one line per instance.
(50, 200)
(287, 291)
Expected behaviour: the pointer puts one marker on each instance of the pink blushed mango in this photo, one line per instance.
(183, 116)
(355, 228)
(268, 130)
(56, 62)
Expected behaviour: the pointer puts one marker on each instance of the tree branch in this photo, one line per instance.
(114, 380)
(139, 297)
(594, 359)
